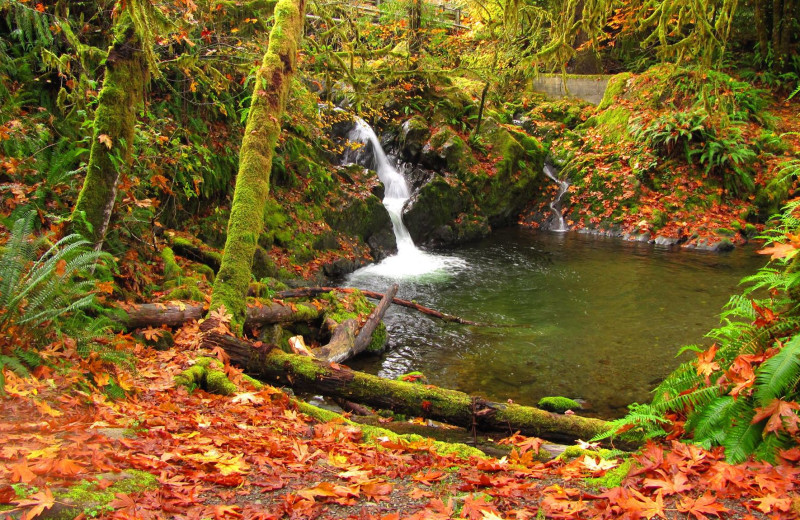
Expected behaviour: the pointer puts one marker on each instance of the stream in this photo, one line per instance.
(598, 319)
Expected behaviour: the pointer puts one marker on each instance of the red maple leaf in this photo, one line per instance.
(781, 415)
(702, 506)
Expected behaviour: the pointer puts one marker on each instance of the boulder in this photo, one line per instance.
(443, 213)
(502, 194)
(414, 135)
(447, 151)
(367, 219)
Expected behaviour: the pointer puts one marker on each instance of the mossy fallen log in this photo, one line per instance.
(176, 314)
(274, 366)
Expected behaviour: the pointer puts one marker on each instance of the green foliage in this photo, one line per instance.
(54, 288)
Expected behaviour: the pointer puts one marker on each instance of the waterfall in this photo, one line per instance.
(409, 260)
(557, 223)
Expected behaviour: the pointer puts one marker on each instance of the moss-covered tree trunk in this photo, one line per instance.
(114, 124)
(255, 159)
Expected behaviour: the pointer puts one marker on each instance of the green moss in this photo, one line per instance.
(612, 124)
(374, 434)
(615, 88)
(172, 270)
(218, 383)
(204, 271)
(573, 452)
(188, 291)
(258, 385)
(88, 498)
(558, 404)
(378, 340)
(614, 477)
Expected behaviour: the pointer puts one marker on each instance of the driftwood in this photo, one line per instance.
(176, 314)
(449, 406)
(313, 291)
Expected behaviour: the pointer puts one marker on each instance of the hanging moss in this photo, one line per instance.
(114, 124)
(271, 87)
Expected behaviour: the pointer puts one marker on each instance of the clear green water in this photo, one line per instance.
(603, 318)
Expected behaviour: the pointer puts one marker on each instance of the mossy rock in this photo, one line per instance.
(366, 219)
(558, 404)
(503, 194)
(614, 90)
(447, 151)
(188, 290)
(443, 212)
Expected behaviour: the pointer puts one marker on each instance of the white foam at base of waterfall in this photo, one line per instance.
(410, 261)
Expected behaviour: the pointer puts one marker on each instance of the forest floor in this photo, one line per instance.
(69, 449)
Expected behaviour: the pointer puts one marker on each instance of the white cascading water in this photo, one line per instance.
(558, 225)
(409, 260)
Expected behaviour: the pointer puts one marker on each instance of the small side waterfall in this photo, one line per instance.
(409, 260)
(557, 224)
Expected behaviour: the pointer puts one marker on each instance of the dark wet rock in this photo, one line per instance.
(365, 218)
(414, 135)
(417, 177)
(343, 266)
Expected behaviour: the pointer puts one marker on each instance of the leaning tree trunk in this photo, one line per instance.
(449, 406)
(255, 159)
(114, 122)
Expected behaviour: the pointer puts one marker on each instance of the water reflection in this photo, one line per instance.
(597, 318)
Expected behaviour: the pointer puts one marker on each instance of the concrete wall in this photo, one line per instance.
(588, 88)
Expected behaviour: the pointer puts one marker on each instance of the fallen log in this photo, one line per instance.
(365, 334)
(448, 406)
(347, 340)
(314, 291)
(176, 314)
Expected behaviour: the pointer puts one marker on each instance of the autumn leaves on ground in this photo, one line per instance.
(165, 452)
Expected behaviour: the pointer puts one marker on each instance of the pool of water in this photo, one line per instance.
(594, 318)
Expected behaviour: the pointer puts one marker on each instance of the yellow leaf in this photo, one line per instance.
(234, 465)
(106, 140)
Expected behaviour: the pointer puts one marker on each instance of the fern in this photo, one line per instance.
(779, 373)
(743, 439)
(56, 288)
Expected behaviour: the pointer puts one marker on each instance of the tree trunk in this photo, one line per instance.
(777, 12)
(255, 160)
(449, 406)
(114, 123)
(762, 33)
(414, 26)
(787, 28)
